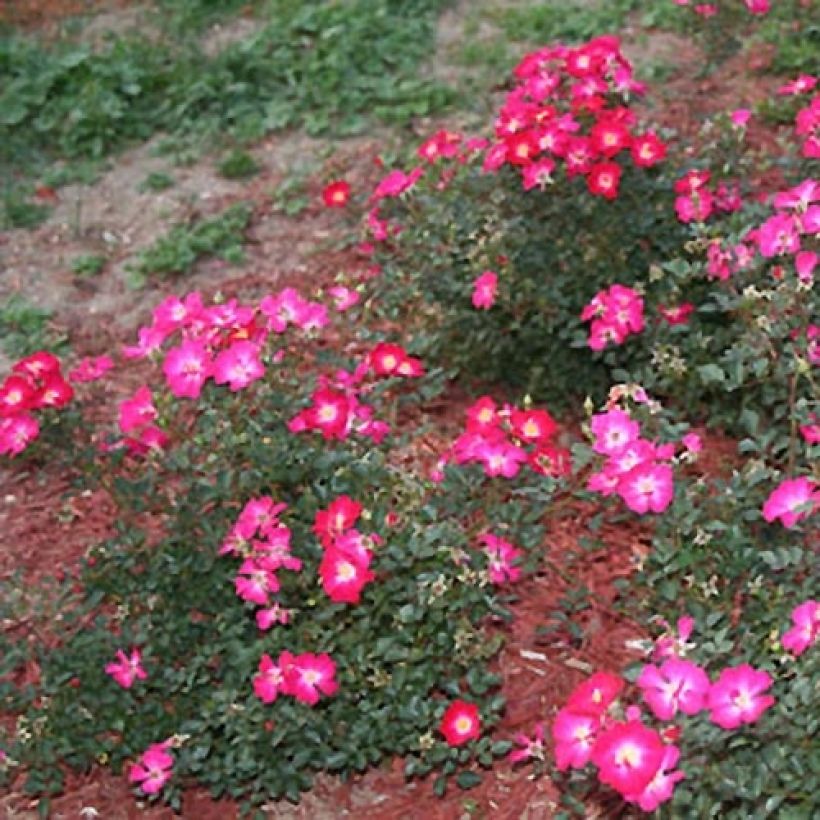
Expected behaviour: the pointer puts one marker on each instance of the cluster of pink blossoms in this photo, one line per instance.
(443, 145)
(502, 439)
(263, 542)
(336, 410)
(807, 121)
(636, 760)
(783, 234)
(136, 421)
(615, 313)
(564, 109)
(305, 677)
(696, 201)
(224, 341)
(37, 383)
(796, 219)
(345, 566)
(637, 470)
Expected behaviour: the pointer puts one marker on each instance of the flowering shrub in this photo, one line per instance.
(278, 600)
(498, 244)
(732, 562)
(746, 349)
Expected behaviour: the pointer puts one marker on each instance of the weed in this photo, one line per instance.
(19, 211)
(25, 329)
(291, 198)
(572, 21)
(178, 251)
(156, 181)
(88, 265)
(238, 165)
(78, 172)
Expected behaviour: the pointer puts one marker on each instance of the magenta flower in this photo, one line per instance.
(153, 770)
(91, 369)
(661, 787)
(343, 298)
(271, 679)
(238, 366)
(266, 618)
(805, 629)
(647, 487)
(531, 748)
(737, 696)
(757, 6)
(501, 558)
(500, 458)
(672, 645)
(254, 583)
(186, 368)
(677, 685)
(538, 174)
(613, 430)
(150, 339)
(779, 234)
(126, 669)
(16, 433)
(137, 411)
(791, 500)
(573, 735)
(485, 288)
(308, 675)
(344, 574)
(628, 756)
(801, 196)
(596, 694)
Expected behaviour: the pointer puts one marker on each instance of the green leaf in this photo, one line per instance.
(468, 780)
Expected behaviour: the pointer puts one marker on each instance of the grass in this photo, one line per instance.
(178, 251)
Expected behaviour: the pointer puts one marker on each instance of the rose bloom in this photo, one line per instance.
(336, 194)
(460, 723)
(736, 697)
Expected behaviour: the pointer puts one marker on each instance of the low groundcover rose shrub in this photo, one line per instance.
(278, 599)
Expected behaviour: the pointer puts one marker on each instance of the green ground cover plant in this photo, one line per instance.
(24, 329)
(183, 246)
(317, 65)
